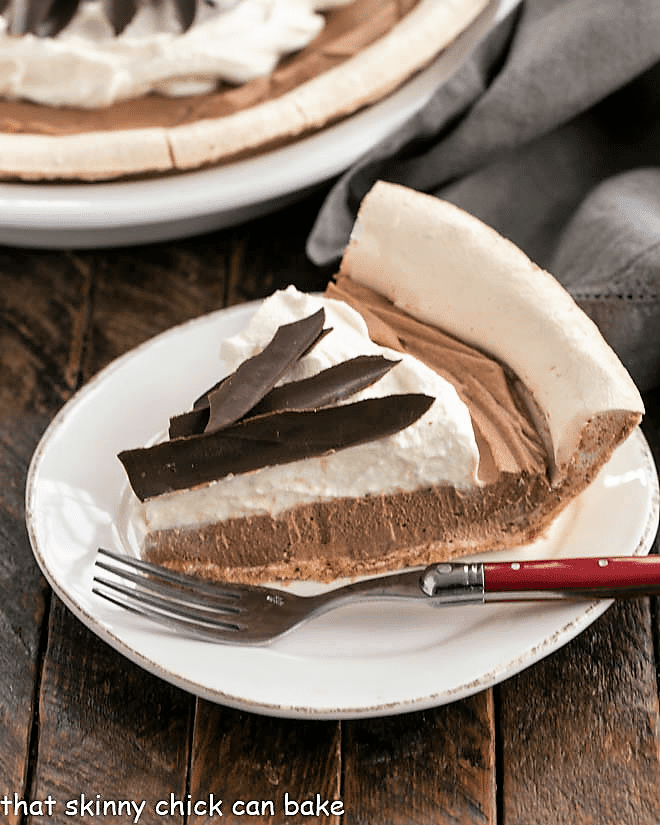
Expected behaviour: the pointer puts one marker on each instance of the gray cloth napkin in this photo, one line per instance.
(551, 134)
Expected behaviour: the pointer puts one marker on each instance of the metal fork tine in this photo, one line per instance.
(216, 617)
(191, 627)
(148, 571)
(243, 614)
(169, 591)
(202, 609)
(170, 594)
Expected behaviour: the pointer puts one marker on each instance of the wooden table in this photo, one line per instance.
(574, 739)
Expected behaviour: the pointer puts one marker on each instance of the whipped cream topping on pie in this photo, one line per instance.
(439, 447)
(86, 65)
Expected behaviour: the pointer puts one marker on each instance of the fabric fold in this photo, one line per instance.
(549, 134)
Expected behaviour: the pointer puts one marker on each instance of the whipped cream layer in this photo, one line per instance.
(87, 65)
(438, 448)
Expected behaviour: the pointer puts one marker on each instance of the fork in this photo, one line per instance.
(252, 614)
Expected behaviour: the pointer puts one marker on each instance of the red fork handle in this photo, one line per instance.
(602, 575)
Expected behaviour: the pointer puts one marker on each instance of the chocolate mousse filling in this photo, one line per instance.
(514, 501)
(348, 30)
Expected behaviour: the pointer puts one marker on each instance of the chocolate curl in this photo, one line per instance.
(267, 440)
(46, 18)
(330, 386)
(255, 377)
(203, 401)
(189, 423)
(120, 13)
(239, 392)
(185, 12)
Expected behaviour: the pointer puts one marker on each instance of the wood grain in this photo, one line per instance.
(427, 768)
(39, 305)
(581, 730)
(106, 728)
(253, 763)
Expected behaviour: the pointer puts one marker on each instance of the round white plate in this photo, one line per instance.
(121, 213)
(363, 660)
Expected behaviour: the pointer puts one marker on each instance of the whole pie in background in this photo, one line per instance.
(107, 89)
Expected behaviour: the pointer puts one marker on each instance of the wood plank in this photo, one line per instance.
(22, 605)
(581, 730)
(44, 297)
(430, 768)
(45, 312)
(253, 764)
(269, 254)
(105, 726)
(108, 730)
(40, 305)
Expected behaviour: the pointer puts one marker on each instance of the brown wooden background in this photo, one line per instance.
(574, 739)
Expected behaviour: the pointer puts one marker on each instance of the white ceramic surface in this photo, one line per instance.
(119, 213)
(366, 660)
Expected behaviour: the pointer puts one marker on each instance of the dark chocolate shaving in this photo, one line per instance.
(47, 18)
(185, 12)
(189, 423)
(203, 401)
(120, 13)
(246, 422)
(265, 440)
(330, 386)
(238, 394)
(322, 335)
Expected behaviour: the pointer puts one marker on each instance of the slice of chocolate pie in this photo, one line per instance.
(444, 397)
